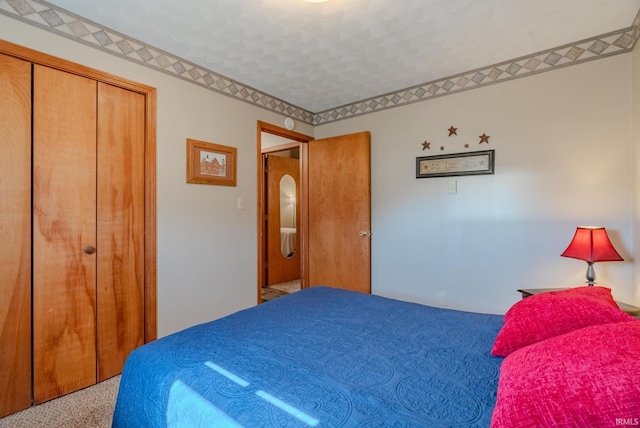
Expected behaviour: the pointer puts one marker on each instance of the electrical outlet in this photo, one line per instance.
(452, 186)
(442, 298)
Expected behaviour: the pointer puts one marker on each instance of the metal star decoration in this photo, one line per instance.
(466, 146)
(453, 131)
(484, 138)
(426, 145)
(441, 147)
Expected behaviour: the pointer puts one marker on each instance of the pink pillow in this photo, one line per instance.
(587, 378)
(546, 315)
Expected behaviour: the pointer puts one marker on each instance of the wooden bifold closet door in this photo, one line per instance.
(77, 226)
(88, 234)
(64, 214)
(121, 226)
(15, 235)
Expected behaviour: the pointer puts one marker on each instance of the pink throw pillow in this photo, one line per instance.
(547, 315)
(587, 378)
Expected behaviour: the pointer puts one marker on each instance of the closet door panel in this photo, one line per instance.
(64, 233)
(15, 235)
(121, 155)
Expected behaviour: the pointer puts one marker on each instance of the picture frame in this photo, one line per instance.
(209, 163)
(456, 164)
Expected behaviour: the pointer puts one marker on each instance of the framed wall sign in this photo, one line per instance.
(469, 163)
(209, 163)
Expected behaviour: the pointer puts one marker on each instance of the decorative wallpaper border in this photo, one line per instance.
(575, 53)
(59, 21)
(64, 23)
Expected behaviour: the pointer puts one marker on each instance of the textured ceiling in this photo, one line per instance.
(321, 56)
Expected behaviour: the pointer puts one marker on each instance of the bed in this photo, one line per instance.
(333, 358)
(319, 357)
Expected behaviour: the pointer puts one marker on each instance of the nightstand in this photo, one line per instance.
(630, 309)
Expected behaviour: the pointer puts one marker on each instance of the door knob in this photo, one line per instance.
(89, 249)
(364, 233)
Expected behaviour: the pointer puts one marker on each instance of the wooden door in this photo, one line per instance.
(15, 235)
(49, 214)
(339, 212)
(121, 220)
(64, 233)
(279, 267)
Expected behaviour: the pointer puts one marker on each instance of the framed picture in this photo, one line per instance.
(470, 163)
(209, 163)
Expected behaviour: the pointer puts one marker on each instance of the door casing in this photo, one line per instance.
(303, 142)
(300, 140)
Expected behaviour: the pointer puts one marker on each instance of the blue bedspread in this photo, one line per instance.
(319, 357)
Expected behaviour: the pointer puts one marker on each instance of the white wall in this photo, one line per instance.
(563, 159)
(207, 249)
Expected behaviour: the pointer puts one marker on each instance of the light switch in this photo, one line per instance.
(452, 186)
(240, 203)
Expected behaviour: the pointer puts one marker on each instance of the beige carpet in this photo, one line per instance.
(88, 408)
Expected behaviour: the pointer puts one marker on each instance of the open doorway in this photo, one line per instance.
(281, 210)
(333, 225)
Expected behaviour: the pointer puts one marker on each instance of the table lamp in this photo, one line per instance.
(592, 244)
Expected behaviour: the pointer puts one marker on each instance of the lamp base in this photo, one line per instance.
(591, 274)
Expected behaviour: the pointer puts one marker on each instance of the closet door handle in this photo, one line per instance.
(89, 249)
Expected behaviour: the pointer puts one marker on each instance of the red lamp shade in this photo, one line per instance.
(592, 244)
